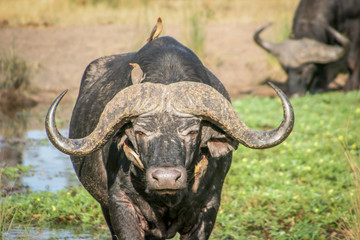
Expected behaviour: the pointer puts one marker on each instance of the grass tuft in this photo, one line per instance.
(15, 82)
(352, 220)
(7, 210)
(15, 73)
(196, 34)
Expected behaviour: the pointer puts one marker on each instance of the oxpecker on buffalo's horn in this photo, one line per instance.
(156, 30)
(137, 74)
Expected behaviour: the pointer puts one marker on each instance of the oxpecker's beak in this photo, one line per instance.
(133, 156)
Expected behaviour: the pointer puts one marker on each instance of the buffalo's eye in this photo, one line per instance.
(140, 133)
(193, 133)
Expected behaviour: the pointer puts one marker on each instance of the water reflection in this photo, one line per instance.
(46, 233)
(12, 131)
(23, 141)
(52, 170)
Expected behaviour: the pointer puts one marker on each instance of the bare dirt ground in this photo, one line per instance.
(59, 55)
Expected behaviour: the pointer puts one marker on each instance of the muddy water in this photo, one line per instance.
(23, 141)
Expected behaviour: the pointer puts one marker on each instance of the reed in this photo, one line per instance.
(15, 73)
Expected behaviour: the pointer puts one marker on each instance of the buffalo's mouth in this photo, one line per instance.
(168, 197)
(168, 191)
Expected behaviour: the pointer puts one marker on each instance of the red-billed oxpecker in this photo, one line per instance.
(156, 30)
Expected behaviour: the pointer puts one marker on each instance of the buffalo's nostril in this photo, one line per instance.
(178, 177)
(155, 177)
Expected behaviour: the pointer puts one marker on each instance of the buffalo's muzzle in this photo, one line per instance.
(166, 180)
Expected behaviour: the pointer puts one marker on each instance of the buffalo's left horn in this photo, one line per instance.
(295, 52)
(130, 102)
(205, 102)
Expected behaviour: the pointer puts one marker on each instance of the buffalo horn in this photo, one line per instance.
(130, 102)
(192, 98)
(205, 102)
(295, 52)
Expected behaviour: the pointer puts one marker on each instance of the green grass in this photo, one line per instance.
(7, 210)
(352, 229)
(304, 188)
(73, 206)
(301, 189)
(67, 208)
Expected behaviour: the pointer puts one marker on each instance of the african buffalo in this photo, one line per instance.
(325, 41)
(155, 154)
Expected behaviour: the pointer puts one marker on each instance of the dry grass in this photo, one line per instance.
(15, 73)
(352, 222)
(15, 82)
(192, 18)
(94, 12)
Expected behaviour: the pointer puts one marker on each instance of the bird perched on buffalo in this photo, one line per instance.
(137, 74)
(156, 30)
(199, 173)
(133, 156)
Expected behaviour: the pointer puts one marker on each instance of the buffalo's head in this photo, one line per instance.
(166, 129)
(302, 59)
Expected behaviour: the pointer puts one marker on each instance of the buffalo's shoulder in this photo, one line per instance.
(102, 79)
(99, 71)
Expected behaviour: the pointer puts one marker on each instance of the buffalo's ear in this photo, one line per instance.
(218, 142)
(129, 131)
(126, 132)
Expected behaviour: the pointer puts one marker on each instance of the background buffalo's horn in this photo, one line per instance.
(343, 40)
(128, 103)
(285, 54)
(268, 46)
(295, 52)
(205, 102)
(313, 51)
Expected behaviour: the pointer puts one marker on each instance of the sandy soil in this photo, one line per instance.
(60, 55)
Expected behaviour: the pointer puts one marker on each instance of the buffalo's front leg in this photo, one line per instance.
(206, 220)
(126, 219)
